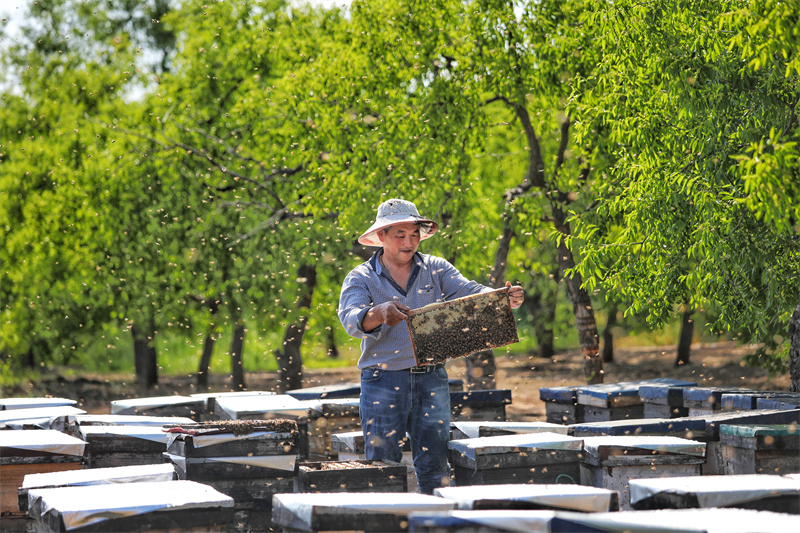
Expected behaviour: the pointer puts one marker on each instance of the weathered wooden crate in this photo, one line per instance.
(537, 496)
(760, 449)
(348, 511)
(714, 461)
(561, 405)
(526, 458)
(184, 406)
(109, 446)
(457, 328)
(351, 476)
(93, 476)
(610, 462)
(618, 401)
(664, 401)
(472, 430)
(27, 452)
(706, 400)
(143, 506)
(480, 405)
(752, 491)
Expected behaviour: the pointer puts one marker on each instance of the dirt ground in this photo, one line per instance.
(712, 364)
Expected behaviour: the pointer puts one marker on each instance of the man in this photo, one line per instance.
(396, 396)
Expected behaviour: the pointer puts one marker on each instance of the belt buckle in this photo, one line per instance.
(424, 369)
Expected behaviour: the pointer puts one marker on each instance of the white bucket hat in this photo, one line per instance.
(393, 212)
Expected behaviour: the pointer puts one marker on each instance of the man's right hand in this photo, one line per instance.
(389, 313)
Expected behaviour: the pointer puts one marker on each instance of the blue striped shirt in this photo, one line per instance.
(432, 279)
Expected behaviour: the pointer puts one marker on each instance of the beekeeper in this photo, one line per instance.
(398, 397)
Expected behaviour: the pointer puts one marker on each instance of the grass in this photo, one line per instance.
(179, 353)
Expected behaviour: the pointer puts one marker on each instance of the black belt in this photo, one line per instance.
(425, 369)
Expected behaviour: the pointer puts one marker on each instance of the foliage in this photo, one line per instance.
(699, 103)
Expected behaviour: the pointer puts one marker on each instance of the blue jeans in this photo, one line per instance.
(394, 403)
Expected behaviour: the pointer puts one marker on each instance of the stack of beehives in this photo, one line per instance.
(249, 460)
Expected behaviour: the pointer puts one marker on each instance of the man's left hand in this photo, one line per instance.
(515, 295)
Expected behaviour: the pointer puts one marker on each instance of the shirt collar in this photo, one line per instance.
(376, 265)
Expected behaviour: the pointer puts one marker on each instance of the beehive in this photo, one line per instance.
(448, 330)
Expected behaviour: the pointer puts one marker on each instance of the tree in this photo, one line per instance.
(700, 207)
(436, 73)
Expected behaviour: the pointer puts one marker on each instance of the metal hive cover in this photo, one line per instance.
(447, 330)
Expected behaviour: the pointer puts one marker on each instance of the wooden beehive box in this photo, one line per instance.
(351, 511)
(267, 407)
(327, 392)
(747, 401)
(8, 404)
(783, 402)
(760, 449)
(664, 401)
(473, 430)
(706, 400)
(93, 476)
(533, 497)
(327, 417)
(71, 424)
(35, 417)
(240, 449)
(480, 404)
(143, 506)
(561, 405)
(184, 406)
(248, 460)
(525, 458)
(685, 428)
(618, 401)
(25, 452)
(751, 491)
(351, 476)
(610, 462)
(714, 461)
(448, 330)
(109, 446)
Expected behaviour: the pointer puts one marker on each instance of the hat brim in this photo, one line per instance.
(370, 237)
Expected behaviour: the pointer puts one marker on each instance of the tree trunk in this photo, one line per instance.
(144, 357)
(482, 367)
(794, 350)
(237, 349)
(290, 360)
(330, 337)
(581, 304)
(608, 335)
(208, 349)
(541, 305)
(685, 339)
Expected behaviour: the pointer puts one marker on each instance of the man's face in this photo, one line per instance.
(400, 241)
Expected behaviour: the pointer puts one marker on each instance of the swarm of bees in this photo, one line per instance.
(461, 327)
(237, 427)
(338, 465)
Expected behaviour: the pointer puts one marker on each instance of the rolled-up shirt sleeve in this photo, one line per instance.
(354, 302)
(454, 284)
